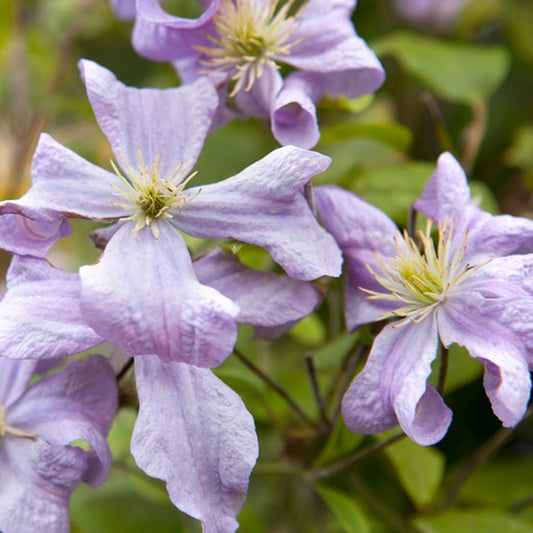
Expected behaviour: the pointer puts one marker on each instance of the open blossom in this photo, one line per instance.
(38, 467)
(473, 288)
(143, 294)
(192, 430)
(244, 45)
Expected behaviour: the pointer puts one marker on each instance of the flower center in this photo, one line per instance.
(249, 36)
(421, 277)
(150, 196)
(5, 428)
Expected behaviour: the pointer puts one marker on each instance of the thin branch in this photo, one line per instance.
(437, 120)
(443, 369)
(474, 134)
(311, 372)
(386, 513)
(277, 388)
(334, 467)
(125, 369)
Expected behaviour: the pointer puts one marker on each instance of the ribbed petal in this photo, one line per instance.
(195, 433)
(293, 114)
(264, 299)
(337, 60)
(471, 321)
(164, 37)
(20, 234)
(144, 296)
(78, 403)
(447, 196)
(393, 388)
(265, 205)
(362, 231)
(169, 124)
(14, 379)
(40, 315)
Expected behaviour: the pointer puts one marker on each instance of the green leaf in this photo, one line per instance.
(341, 442)
(420, 469)
(310, 331)
(393, 135)
(473, 521)
(347, 511)
(455, 71)
(462, 369)
(393, 189)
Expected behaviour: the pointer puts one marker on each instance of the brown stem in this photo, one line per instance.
(278, 389)
(311, 371)
(443, 369)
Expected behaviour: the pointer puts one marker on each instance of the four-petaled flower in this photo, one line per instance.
(474, 289)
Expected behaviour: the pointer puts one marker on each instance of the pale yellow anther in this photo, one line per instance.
(420, 276)
(6, 429)
(147, 196)
(250, 36)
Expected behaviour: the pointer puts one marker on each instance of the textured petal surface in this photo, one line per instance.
(14, 379)
(169, 124)
(265, 205)
(144, 296)
(264, 299)
(393, 388)
(38, 475)
(447, 196)
(293, 114)
(164, 37)
(195, 433)
(471, 321)
(362, 231)
(26, 236)
(40, 314)
(338, 61)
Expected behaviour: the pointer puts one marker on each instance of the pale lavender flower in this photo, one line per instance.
(471, 289)
(243, 44)
(38, 467)
(192, 431)
(143, 294)
(439, 13)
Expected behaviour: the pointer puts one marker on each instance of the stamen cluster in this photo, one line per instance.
(421, 276)
(5, 428)
(151, 196)
(250, 36)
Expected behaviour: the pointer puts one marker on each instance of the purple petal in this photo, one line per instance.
(37, 480)
(265, 205)
(293, 114)
(337, 60)
(362, 231)
(22, 235)
(14, 379)
(393, 388)
(124, 9)
(471, 321)
(64, 185)
(169, 124)
(40, 315)
(164, 37)
(259, 100)
(196, 434)
(78, 403)
(264, 299)
(144, 296)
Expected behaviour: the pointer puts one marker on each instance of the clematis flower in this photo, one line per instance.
(243, 45)
(192, 430)
(39, 469)
(468, 290)
(143, 294)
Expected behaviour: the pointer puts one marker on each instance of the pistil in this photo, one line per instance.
(250, 36)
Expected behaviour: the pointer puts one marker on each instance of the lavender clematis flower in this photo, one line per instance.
(146, 271)
(430, 12)
(39, 470)
(467, 290)
(244, 42)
